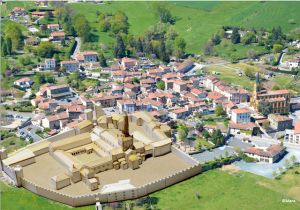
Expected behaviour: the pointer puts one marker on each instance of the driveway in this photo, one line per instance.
(77, 49)
(27, 94)
(266, 169)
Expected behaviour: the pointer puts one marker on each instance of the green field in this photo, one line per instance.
(203, 5)
(268, 15)
(222, 190)
(282, 80)
(205, 143)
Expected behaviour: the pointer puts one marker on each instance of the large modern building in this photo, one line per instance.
(101, 159)
(280, 99)
(268, 155)
(58, 92)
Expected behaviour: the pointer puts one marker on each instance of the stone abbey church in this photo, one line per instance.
(280, 99)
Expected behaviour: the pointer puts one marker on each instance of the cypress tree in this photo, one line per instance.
(4, 49)
(9, 45)
(139, 46)
(120, 48)
(102, 60)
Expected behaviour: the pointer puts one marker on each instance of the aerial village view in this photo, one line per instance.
(150, 105)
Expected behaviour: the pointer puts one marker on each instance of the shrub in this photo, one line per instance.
(19, 87)
(296, 172)
(225, 160)
(246, 158)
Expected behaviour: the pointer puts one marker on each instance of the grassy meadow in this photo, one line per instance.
(227, 190)
(203, 5)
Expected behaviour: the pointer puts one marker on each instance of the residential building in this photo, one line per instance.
(166, 69)
(210, 81)
(179, 86)
(280, 123)
(241, 116)
(268, 155)
(70, 65)
(183, 67)
(293, 136)
(161, 115)
(243, 96)
(293, 63)
(92, 90)
(199, 93)
(128, 63)
(57, 36)
(37, 100)
(53, 27)
(53, 121)
(24, 82)
(49, 65)
(89, 56)
(19, 11)
(59, 92)
(215, 96)
(31, 41)
(179, 113)
(41, 14)
(86, 102)
(119, 76)
(117, 90)
(47, 106)
(237, 128)
(107, 101)
(8, 93)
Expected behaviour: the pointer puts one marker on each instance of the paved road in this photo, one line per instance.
(25, 115)
(28, 20)
(77, 49)
(10, 102)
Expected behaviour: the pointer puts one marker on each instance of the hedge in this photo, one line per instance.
(246, 158)
(24, 75)
(25, 110)
(192, 153)
(284, 72)
(73, 47)
(19, 87)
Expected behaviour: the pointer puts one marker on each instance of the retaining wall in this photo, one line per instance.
(63, 135)
(187, 158)
(10, 172)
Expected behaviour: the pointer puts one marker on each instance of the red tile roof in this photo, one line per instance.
(58, 34)
(240, 111)
(180, 110)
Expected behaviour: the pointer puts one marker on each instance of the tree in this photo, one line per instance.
(63, 70)
(178, 54)
(102, 60)
(220, 157)
(275, 87)
(208, 49)
(30, 140)
(233, 58)
(161, 85)
(281, 143)
(63, 42)
(20, 95)
(56, 57)
(171, 33)
(200, 129)
(219, 110)
(9, 45)
(277, 47)
(215, 39)
(238, 149)
(182, 136)
(165, 57)
(235, 36)
(251, 54)
(4, 49)
(47, 16)
(286, 163)
(265, 125)
(291, 21)
(274, 173)
(45, 49)
(82, 28)
(162, 11)
(27, 59)
(172, 124)
(280, 169)
(218, 142)
(265, 107)
(226, 153)
(103, 26)
(42, 79)
(13, 30)
(293, 159)
(139, 45)
(180, 43)
(221, 33)
(249, 72)
(119, 51)
(206, 134)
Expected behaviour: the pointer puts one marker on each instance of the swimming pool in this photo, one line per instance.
(221, 148)
(95, 75)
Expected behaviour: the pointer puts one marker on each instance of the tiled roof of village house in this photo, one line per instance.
(67, 62)
(275, 92)
(130, 93)
(169, 75)
(72, 124)
(117, 88)
(250, 125)
(178, 82)
(44, 105)
(212, 78)
(38, 98)
(106, 97)
(276, 99)
(26, 79)
(155, 71)
(128, 85)
(243, 91)
(58, 86)
(89, 53)
(53, 25)
(58, 34)
(79, 57)
(197, 91)
(125, 60)
(240, 111)
(147, 81)
(74, 103)
(210, 126)
(279, 118)
(85, 99)
(215, 95)
(177, 111)
(297, 127)
(120, 73)
(293, 60)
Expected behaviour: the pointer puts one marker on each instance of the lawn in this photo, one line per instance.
(230, 76)
(242, 66)
(203, 5)
(282, 80)
(222, 190)
(13, 138)
(204, 143)
(240, 50)
(268, 15)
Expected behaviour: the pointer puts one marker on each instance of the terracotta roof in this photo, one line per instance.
(89, 53)
(85, 99)
(270, 152)
(297, 127)
(279, 118)
(240, 111)
(242, 126)
(58, 34)
(26, 79)
(210, 126)
(66, 62)
(53, 25)
(180, 110)
(215, 95)
(72, 124)
(179, 82)
(212, 78)
(79, 57)
(197, 91)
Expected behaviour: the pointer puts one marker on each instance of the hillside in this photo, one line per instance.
(194, 21)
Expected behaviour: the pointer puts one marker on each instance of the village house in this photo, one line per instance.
(47, 106)
(57, 36)
(37, 100)
(53, 121)
(119, 76)
(110, 69)
(117, 90)
(241, 115)
(19, 11)
(89, 56)
(42, 14)
(243, 96)
(107, 101)
(91, 90)
(280, 123)
(128, 63)
(268, 155)
(198, 93)
(293, 63)
(59, 92)
(53, 27)
(210, 81)
(165, 68)
(49, 65)
(8, 93)
(31, 41)
(237, 128)
(129, 95)
(85, 101)
(179, 113)
(71, 66)
(24, 82)
(179, 86)
(215, 96)
(161, 115)
(293, 136)
(131, 87)
(183, 67)
(75, 111)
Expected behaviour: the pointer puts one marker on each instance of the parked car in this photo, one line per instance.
(29, 137)
(13, 102)
(62, 99)
(21, 132)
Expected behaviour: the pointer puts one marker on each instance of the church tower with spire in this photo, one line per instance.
(125, 140)
(256, 91)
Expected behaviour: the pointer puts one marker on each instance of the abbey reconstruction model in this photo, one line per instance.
(103, 158)
(280, 99)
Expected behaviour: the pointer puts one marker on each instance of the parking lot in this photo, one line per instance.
(31, 133)
(110, 111)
